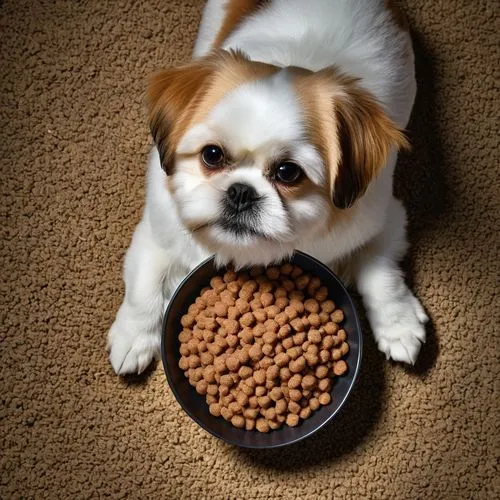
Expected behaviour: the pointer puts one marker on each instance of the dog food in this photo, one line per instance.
(264, 346)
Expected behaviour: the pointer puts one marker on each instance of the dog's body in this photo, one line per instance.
(272, 100)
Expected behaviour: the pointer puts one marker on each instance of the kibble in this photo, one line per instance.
(262, 347)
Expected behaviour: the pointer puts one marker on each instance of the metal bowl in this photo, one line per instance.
(196, 406)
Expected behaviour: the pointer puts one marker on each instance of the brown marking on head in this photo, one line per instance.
(350, 130)
(236, 12)
(181, 97)
(397, 14)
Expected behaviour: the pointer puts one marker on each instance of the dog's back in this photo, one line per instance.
(367, 39)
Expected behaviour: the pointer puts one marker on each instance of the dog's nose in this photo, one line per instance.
(241, 196)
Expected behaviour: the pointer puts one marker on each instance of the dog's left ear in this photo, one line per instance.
(172, 97)
(366, 136)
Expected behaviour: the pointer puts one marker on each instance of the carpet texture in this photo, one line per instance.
(73, 149)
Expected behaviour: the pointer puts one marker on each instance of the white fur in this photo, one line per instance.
(357, 36)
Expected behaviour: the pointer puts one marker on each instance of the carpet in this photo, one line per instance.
(73, 149)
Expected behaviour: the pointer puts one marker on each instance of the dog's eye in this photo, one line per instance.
(212, 156)
(288, 172)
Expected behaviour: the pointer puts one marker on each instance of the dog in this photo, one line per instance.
(282, 133)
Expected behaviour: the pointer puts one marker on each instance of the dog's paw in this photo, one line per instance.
(399, 328)
(131, 351)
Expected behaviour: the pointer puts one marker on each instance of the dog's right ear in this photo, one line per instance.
(172, 97)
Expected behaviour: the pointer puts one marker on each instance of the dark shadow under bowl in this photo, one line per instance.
(196, 406)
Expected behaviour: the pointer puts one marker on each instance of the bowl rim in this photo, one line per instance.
(275, 445)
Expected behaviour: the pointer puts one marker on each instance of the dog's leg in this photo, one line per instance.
(134, 337)
(396, 316)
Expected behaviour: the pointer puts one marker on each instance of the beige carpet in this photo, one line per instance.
(73, 147)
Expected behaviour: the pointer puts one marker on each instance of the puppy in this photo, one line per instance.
(281, 134)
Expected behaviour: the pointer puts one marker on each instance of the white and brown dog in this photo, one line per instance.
(282, 133)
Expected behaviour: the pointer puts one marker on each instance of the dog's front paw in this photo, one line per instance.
(132, 350)
(399, 327)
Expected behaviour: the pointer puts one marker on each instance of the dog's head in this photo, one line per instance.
(258, 157)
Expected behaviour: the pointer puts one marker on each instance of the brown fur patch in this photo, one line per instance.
(349, 129)
(397, 14)
(181, 97)
(236, 12)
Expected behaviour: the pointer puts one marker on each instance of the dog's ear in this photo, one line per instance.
(172, 97)
(366, 136)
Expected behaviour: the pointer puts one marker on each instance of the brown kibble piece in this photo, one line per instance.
(321, 371)
(231, 326)
(201, 387)
(268, 349)
(227, 380)
(314, 403)
(297, 325)
(294, 407)
(264, 401)
(284, 331)
(296, 272)
(287, 343)
(262, 425)
(324, 398)
(324, 356)
(220, 365)
(344, 348)
(305, 412)
(260, 377)
(271, 325)
(281, 406)
(336, 354)
(314, 336)
(272, 311)
(299, 338)
(281, 302)
(276, 394)
(298, 364)
(260, 390)
(328, 306)
(273, 273)
(314, 284)
(331, 328)
(267, 299)
(292, 420)
(341, 334)
(272, 372)
(212, 389)
(281, 318)
(321, 294)
(270, 338)
(295, 395)
(291, 312)
(340, 367)
(184, 363)
(325, 384)
(260, 315)
(314, 320)
(221, 309)
(215, 409)
(337, 316)
(295, 381)
(302, 281)
(281, 359)
(311, 359)
(226, 413)
(209, 374)
(233, 363)
(265, 362)
(308, 382)
(285, 374)
(311, 306)
(238, 421)
(255, 352)
(248, 319)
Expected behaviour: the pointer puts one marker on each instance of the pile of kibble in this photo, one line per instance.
(263, 346)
